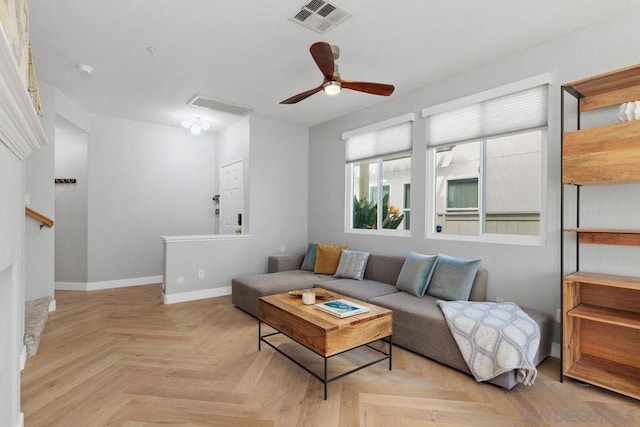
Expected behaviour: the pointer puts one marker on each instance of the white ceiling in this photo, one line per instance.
(247, 52)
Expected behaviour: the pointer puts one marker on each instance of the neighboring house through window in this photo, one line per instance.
(378, 171)
(485, 165)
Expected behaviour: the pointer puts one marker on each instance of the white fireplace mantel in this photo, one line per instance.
(20, 128)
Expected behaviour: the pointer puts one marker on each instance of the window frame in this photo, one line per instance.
(464, 178)
(348, 229)
(430, 187)
(514, 239)
(348, 181)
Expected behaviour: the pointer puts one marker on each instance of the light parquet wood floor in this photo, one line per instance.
(122, 358)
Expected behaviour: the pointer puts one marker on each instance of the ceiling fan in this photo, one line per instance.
(325, 55)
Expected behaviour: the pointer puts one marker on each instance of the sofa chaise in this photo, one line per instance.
(418, 322)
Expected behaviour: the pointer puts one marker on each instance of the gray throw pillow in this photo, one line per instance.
(452, 278)
(310, 258)
(415, 273)
(352, 264)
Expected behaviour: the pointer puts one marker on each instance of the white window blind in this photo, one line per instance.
(515, 112)
(379, 143)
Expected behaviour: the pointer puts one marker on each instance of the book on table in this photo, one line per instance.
(341, 308)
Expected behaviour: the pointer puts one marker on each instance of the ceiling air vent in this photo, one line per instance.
(212, 104)
(321, 16)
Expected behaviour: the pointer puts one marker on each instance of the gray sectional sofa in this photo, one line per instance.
(418, 323)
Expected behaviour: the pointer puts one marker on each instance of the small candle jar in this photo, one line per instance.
(308, 298)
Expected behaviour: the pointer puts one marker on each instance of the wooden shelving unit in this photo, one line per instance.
(602, 331)
(601, 312)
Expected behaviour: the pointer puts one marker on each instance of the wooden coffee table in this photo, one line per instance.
(323, 333)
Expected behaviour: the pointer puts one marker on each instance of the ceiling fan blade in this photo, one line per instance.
(299, 97)
(322, 54)
(368, 87)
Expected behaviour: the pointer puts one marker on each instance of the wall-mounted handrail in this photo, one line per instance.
(44, 221)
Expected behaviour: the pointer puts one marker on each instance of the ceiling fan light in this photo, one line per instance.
(332, 88)
(195, 130)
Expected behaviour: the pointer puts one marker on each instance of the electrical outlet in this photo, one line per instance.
(200, 274)
(558, 315)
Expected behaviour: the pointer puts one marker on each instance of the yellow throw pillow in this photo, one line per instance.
(327, 258)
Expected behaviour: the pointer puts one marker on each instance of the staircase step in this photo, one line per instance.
(36, 313)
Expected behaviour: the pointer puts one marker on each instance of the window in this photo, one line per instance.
(378, 162)
(487, 176)
(462, 194)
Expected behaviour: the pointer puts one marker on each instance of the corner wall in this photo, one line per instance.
(277, 218)
(39, 188)
(145, 181)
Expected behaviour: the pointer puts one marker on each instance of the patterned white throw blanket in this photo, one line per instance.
(494, 338)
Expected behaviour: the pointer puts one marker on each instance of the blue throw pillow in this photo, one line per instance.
(352, 264)
(310, 258)
(415, 273)
(453, 278)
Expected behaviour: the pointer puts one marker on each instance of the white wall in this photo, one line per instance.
(39, 187)
(529, 275)
(71, 224)
(145, 181)
(278, 196)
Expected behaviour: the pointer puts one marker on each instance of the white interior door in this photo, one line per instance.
(232, 197)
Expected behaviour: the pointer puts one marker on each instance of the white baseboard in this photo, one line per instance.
(108, 284)
(555, 350)
(21, 420)
(23, 357)
(70, 286)
(196, 295)
(52, 305)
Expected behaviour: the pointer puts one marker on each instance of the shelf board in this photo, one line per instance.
(604, 236)
(613, 376)
(602, 155)
(606, 82)
(613, 280)
(611, 316)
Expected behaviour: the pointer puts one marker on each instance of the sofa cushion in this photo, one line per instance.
(246, 290)
(416, 272)
(359, 289)
(352, 264)
(479, 287)
(327, 258)
(383, 269)
(452, 278)
(419, 325)
(309, 262)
